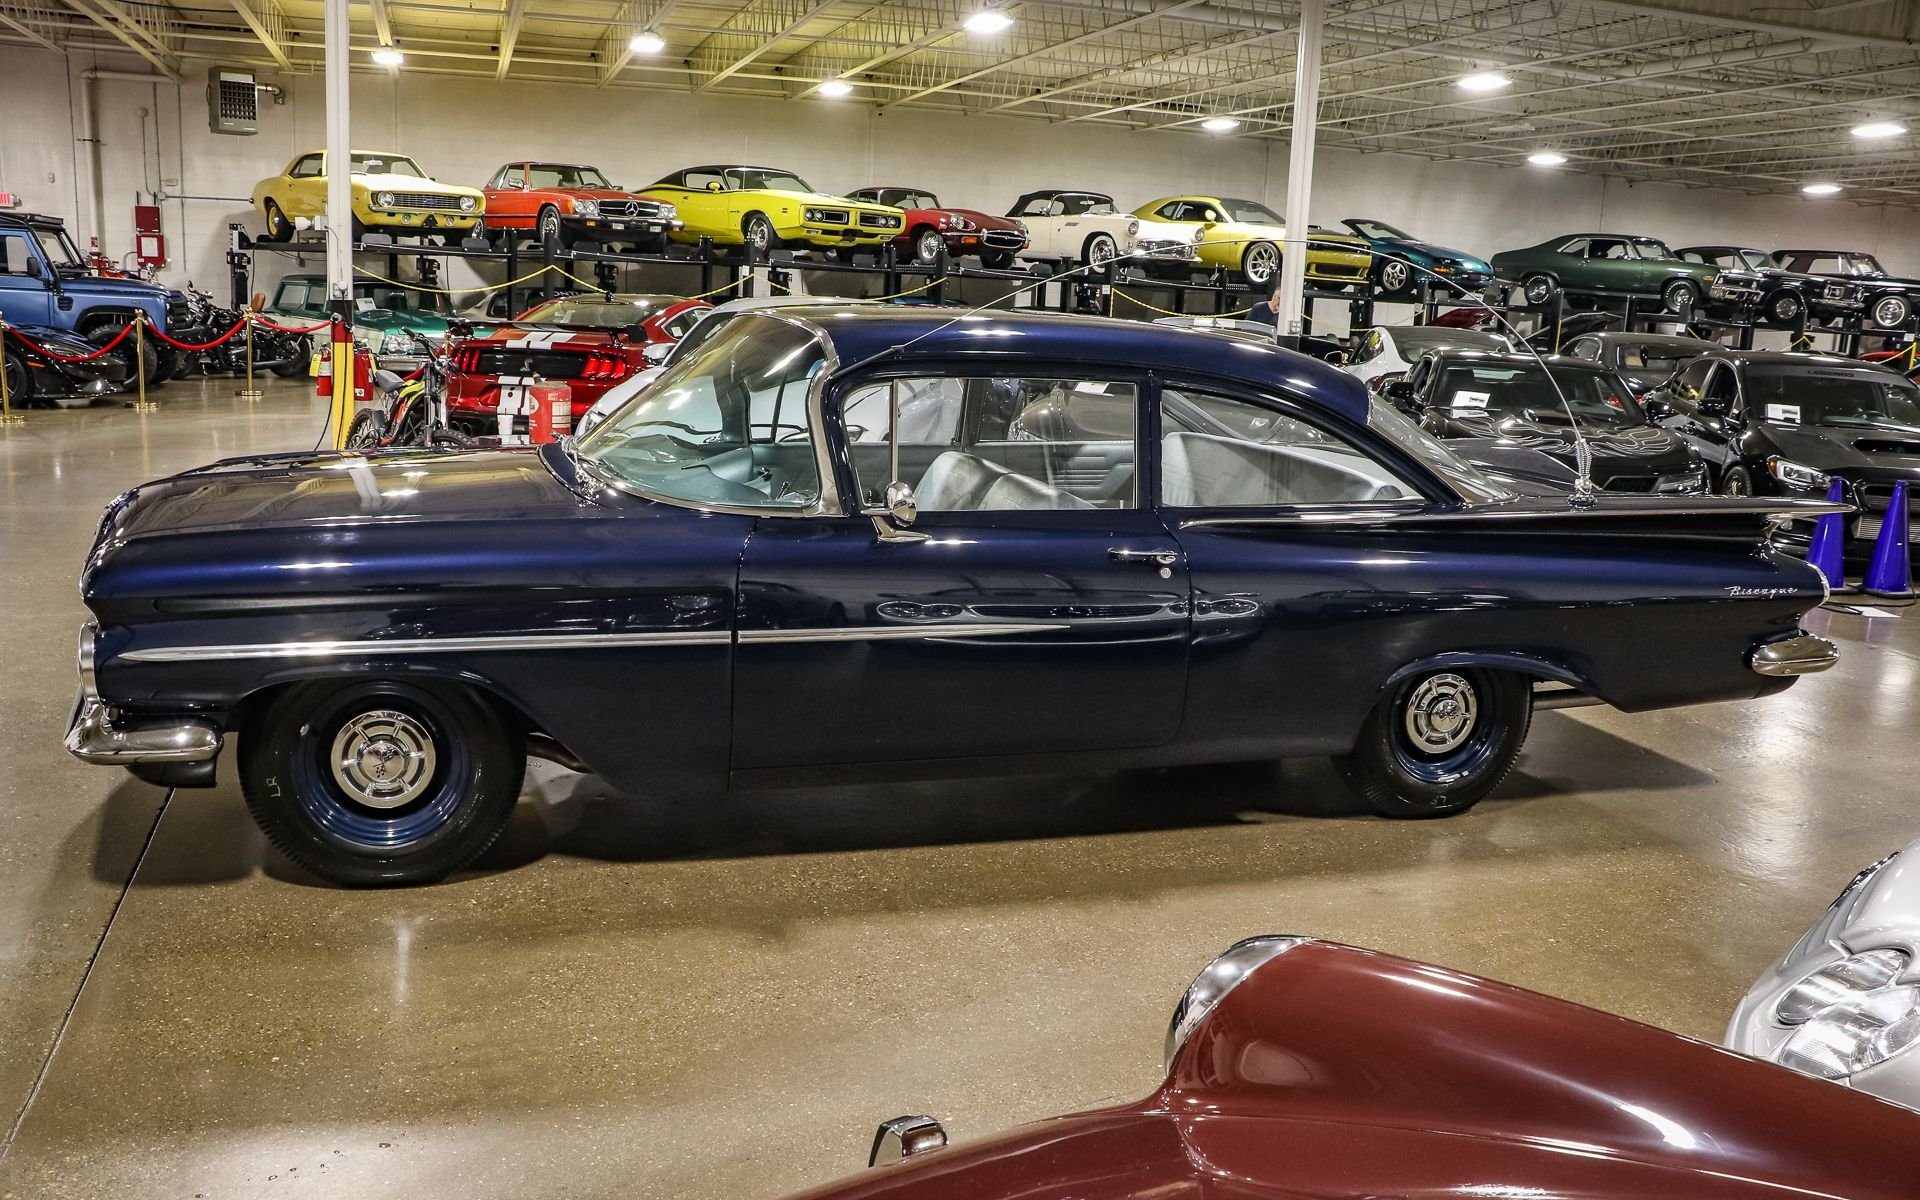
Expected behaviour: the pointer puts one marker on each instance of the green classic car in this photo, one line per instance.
(1627, 265)
(383, 316)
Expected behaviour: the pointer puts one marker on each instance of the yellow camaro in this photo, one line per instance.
(1248, 237)
(390, 193)
(765, 208)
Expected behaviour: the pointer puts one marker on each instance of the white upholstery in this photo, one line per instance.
(955, 482)
(1017, 492)
(1199, 470)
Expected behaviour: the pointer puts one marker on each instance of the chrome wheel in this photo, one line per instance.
(1785, 307)
(1890, 312)
(928, 248)
(1441, 712)
(1100, 250)
(550, 228)
(1262, 261)
(1395, 276)
(383, 759)
(759, 233)
(1678, 298)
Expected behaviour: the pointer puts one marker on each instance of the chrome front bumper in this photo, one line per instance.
(1803, 655)
(94, 737)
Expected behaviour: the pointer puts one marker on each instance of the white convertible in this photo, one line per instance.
(1084, 227)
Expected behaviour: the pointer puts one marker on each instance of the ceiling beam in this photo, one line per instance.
(115, 20)
(617, 49)
(382, 22)
(510, 24)
(257, 21)
(27, 31)
(811, 13)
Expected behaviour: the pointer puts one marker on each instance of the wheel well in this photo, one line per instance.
(1529, 666)
(241, 715)
(1095, 236)
(914, 233)
(96, 317)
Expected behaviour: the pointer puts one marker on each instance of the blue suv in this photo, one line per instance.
(46, 284)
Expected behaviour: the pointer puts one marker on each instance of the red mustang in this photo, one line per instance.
(589, 342)
(560, 203)
(1304, 1070)
(961, 230)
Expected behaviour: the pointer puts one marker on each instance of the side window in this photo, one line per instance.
(15, 254)
(701, 181)
(1690, 383)
(997, 443)
(1217, 452)
(1577, 247)
(307, 167)
(1368, 348)
(293, 295)
(1723, 390)
(1175, 211)
(1585, 347)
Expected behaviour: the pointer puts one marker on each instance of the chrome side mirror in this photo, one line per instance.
(892, 516)
(900, 504)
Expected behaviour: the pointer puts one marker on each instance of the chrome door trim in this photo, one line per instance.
(381, 647)
(888, 633)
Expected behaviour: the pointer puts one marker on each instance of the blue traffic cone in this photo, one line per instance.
(1890, 572)
(1827, 550)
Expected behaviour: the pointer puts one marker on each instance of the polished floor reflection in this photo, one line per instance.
(642, 998)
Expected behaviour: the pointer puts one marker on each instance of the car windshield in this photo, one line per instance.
(1375, 229)
(1651, 248)
(1753, 260)
(1652, 365)
(1807, 395)
(393, 299)
(1415, 340)
(1864, 264)
(58, 248)
(386, 164)
(755, 179)
(1523, 390)
(554, 175)
(1251, 212)
(1083, 204)
(1472, 485)
(727, 425)
(596, 311)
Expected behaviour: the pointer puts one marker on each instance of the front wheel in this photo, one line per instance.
(368, 426)
(1100, 250)
(1395, 277)
(928, 246)
(1439, 741)
(1679, 297)
(1785, 307)
(759, 234)
(379, 782)
(550, 235)
(998, 261)
(1736, 482)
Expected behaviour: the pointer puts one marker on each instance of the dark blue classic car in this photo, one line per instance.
(1029, 541)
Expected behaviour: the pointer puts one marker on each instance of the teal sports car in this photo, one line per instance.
(1403, 265)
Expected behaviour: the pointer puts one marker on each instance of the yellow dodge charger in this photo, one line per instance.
(767, 208)
(1248, 237)
(391, 194)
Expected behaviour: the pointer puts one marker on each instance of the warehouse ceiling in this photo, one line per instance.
(1701, 92)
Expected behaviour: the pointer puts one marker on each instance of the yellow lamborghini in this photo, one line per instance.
(391, 194)
(766, 208)
(1248, 237)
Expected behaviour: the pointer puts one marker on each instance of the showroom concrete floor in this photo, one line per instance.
(639, 1000)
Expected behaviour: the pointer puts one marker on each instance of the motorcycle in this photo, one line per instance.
(273, 350)
(411, 409)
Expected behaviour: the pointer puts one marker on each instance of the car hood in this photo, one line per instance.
(387, 181)
(1657, 447)
(95, 287)
(983, 220)
(816, 198)
(1429, 250)
(1296, 1084)
(1847, 447)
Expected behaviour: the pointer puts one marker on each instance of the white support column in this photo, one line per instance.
(340, 213)
(1306, 115)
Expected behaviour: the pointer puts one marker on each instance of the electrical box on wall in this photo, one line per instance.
(233, 101)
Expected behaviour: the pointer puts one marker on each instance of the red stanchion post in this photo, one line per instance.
(7, 415)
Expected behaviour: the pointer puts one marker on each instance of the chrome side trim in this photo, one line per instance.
(888, 633)
(1801, 655)
(93, 738)
(1359, 514)
(377, 647)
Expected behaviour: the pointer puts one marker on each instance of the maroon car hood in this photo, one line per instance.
(983, 220)
(1341, 1074)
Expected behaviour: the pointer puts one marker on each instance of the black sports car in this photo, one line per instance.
(35, 378)
(1784, 424)
(1785, 296)
(1890, 300)
(1505, 413)
(1644, 360)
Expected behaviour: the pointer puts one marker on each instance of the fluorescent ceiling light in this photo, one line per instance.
(647, 42)
(1486, 81)
(387, 56)
(836, 88)
(1879, 129)
(988, 20)
(1821, 189)
(1546, 158)
(1219, 124)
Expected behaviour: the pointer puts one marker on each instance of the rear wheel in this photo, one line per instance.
(1259, 263)
(1891, 312)
(19, 378)
(372, 782)
(1439, 741)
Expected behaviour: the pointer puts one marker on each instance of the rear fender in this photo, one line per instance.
(1531, 666)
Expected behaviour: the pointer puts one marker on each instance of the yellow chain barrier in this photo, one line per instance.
(1168, 312)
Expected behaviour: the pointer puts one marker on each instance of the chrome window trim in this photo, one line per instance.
(826, 504)
(884, 633)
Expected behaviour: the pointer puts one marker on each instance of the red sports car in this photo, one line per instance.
(589, 342)
(1304, 1070)
(558, 203)
(929, 226)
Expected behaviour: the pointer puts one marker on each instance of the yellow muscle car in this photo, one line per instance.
(391, 194)
(1248, 237)
(766, 208)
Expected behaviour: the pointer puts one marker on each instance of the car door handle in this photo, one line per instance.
(1153, 558)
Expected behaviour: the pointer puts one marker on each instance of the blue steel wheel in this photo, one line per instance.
(1439, 742)
(368, 782)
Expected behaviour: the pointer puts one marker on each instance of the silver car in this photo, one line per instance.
(1844, 1004)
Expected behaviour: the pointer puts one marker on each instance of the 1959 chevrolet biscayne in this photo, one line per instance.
(1306, 1070)
(1093, 543)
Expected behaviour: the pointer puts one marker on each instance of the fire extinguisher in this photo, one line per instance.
(551, 414)
(362, 374)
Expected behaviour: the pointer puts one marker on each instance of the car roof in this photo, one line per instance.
(1787, 358)
(725, 167)
(1671, 340)
(22, 220)
(1466, 338)
(858, 333)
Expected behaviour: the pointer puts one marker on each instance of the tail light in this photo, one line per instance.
(605, 366)
(466, 360)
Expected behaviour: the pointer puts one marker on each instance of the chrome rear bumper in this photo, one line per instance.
(1801, 655)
